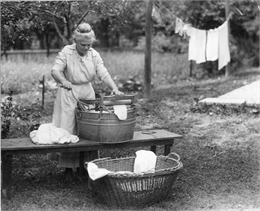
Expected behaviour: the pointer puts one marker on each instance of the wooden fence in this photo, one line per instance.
(39, 54)
(28, 54)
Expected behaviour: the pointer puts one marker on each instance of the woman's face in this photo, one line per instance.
(83, 45)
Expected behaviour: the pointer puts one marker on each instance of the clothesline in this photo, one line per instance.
(174, 16)
(204, 45)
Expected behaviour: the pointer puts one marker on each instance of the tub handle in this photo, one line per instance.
(78, 115)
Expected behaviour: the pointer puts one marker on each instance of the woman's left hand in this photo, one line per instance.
(116, 92)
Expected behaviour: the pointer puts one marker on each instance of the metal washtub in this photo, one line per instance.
(103, 126)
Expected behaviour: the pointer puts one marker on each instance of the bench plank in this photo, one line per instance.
(25, 145)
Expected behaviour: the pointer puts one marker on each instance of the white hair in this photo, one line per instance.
(84, 31)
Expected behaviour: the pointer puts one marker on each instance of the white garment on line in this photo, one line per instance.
(197, 45)
(186, 30)
(179, 25)
(212, 45)
(49, 134)
(223, 49)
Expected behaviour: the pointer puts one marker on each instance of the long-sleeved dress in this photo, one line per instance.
(80, 71)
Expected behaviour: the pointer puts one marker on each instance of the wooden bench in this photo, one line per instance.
(11, 147)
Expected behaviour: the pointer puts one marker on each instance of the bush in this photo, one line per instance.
(11, 112)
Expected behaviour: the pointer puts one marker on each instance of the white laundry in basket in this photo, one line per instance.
(95, 172)
(145, 161)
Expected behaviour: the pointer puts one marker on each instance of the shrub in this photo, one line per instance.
(12, 111)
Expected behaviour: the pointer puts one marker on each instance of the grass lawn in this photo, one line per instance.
(220, 151)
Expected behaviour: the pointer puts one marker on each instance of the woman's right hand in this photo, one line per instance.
(66, 84)
(116, 92)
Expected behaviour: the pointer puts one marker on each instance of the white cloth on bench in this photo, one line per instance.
(145, 162)
(49, 134)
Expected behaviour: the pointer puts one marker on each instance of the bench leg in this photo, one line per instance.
(86, 156)
(153, 149)
(7, 174)
(81, 164)
(92, 155)
(83, 157)
(167, 149)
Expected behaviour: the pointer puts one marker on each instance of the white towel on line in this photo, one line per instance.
(212, 45)
(217, 46)
(197, 45)
(120, 111)
(49, 134)
(224, 53)
(145, 162)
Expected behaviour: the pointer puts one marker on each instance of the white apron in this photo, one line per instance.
(80, 71)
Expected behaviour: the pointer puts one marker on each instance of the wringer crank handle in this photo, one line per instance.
(80, 103)
(69, 89)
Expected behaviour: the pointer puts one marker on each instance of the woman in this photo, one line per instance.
(75, 68)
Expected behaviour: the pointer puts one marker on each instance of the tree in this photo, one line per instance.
(15, 22)
(117, 17)
(109, 18)
(245, 32)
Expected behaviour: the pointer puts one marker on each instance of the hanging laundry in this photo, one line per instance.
(206, 45)
(212, 45)
(197, 45)
(223, 47)
(186, 30)
(156, 15)
(179, 24)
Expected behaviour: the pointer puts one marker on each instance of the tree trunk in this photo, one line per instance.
(47, 43)
(104, 38)
(148, 36)
(227, 70)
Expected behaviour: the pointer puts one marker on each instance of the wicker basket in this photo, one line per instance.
(123, 190)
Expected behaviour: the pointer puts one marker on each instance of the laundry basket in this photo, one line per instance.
(121, 190)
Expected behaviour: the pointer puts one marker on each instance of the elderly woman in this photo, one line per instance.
(74, 68)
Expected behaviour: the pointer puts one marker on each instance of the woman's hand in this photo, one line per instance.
(67, 85)
(116, 92)
(111, 84)
(59, 77)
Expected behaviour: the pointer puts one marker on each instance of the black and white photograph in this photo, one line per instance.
(149, 105)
